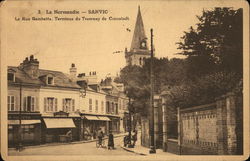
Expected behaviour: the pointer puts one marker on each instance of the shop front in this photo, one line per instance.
(60, 128)
(91, 124)
(114, 124)
(30, 133)
(104, 124)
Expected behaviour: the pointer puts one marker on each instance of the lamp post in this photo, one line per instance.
(151, 113)
(20, 121)
(130, 124)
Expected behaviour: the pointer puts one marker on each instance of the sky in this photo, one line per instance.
(90, 44)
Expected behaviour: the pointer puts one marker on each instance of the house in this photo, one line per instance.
(59, 106)
(116, 104)
(48, 107)
(23, 104)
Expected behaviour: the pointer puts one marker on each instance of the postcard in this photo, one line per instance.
(124, 80)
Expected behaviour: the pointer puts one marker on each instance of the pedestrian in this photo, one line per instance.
(69, 135)
(126, 140)
(111, 141)
(134, 137)
(100, 136)
(94, 134)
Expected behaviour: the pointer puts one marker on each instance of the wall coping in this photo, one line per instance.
(201, 107)
(173, 140)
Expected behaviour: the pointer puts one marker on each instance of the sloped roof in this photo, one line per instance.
(22, 77)
(60, 79)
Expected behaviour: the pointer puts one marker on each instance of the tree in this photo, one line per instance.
(137, 80)
(214, 63)
(216, 44)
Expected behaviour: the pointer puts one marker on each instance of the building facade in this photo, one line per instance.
(23, 106)
(48, 106)
(59, 106)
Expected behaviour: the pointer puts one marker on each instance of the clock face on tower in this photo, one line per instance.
(143, 45)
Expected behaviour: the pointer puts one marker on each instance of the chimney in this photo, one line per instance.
(31, 67)
(73, 71)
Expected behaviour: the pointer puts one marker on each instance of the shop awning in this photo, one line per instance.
(59, 123)
(23, 122)
(104, 118)
(91, 117)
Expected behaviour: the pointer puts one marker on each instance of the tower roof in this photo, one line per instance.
(139, 33)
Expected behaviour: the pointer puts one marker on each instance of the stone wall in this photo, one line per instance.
(199, 130)
(215, 128)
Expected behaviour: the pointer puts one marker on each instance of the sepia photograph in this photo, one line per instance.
(124, 80)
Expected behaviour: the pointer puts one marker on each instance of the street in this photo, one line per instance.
(74, 149)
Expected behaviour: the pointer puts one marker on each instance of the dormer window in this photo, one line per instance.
(50, 80)
(11, 77)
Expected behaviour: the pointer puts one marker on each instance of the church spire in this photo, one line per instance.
(139, 40)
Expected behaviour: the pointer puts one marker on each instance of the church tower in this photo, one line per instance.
(139, 47)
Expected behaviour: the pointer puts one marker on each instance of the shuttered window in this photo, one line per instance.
(68, 104)
(29, 104)
(11, 103)
(50, 104)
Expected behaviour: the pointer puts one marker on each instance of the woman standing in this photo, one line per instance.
(111, 141)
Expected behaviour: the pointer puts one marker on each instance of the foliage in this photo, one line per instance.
(216, 44)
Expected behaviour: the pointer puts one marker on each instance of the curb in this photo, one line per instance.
(133, 151)
(58, 144)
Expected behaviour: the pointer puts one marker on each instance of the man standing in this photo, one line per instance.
(100, 136)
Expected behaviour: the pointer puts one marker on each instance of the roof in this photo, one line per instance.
(21, 76)
(60, 79)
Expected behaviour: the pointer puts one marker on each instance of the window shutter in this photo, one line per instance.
(24, 104)
(16, 103)
(63, 104)
(8, 103)
(73, 105)
(45, 104)
(13, 104)
(26, 107)
(33, 103)
(55, 104)
(36, 104)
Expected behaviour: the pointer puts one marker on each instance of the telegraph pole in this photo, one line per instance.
(151, 119)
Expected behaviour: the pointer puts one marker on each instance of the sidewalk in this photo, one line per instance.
(138, 149)
(67, 143)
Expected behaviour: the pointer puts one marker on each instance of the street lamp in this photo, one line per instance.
(151, 119)
(130, 123)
